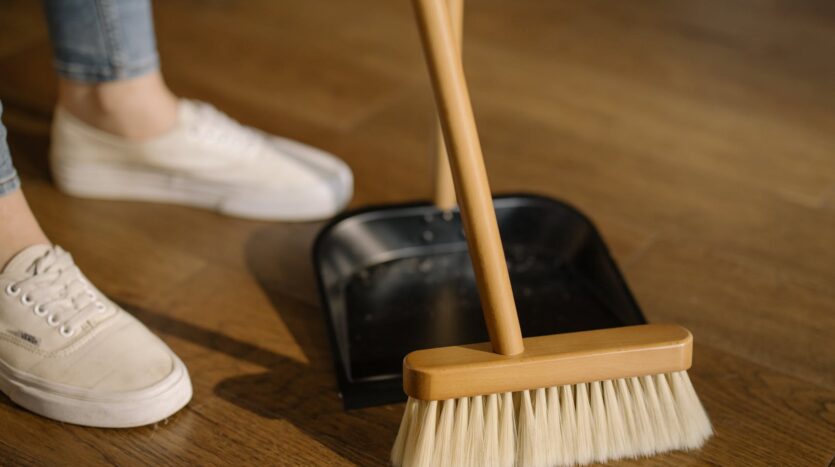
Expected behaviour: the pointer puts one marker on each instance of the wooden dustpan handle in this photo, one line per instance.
(470, 176)
(444, 195)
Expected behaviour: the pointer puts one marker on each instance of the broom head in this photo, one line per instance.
(568, 399)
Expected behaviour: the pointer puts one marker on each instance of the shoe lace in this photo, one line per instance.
(59, 292)
(216, 128)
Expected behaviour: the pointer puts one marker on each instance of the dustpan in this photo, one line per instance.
(398, 278)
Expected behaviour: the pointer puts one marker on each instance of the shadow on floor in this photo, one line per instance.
(279, 257)
(306, 396)
(29, 153)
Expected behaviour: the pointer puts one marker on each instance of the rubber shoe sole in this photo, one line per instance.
(110, 410)
(109, 181)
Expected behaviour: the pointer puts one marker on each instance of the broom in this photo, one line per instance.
(566, 399)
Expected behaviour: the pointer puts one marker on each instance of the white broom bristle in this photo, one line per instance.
(672, 423)
(632, 443)
(691, 411)
(459, 431)
(618, 436)
(583, 447)
(475, 432)
(643, 430)
(554, 442)
(443, 448)
(541, 435)
(408, 422)
(567, 425)
(568, 421)
(491, 432)
(600, 431)
(525, 429)
(661, 434)
(533, 429)
(507, 431)
(425, 444)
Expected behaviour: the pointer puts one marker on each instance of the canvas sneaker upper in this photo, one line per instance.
(66, 351)
(207, 160)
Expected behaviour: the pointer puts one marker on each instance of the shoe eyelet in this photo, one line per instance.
(66, 332)
(40, 310)
(12, 290)
(91, 295)
(26, 299)
(52, 320)
(100, 307)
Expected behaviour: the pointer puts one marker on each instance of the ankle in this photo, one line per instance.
(18, 227)
(136, 109)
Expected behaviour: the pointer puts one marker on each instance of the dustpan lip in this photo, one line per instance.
(352, 213)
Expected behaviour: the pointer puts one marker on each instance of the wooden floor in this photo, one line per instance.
(699, 136)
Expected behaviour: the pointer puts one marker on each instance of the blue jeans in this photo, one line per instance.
(8, 176)
(92, 41)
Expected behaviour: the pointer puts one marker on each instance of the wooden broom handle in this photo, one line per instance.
(444, 189)
(470, 177)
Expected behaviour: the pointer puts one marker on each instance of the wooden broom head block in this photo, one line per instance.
(470, 370)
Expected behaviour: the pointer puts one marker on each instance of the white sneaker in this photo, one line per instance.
(69, 353)
(208, 160)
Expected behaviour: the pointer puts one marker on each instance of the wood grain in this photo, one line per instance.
(697, 135)
(452, 98)
(21, 25)
(444, 195)
(556, 360)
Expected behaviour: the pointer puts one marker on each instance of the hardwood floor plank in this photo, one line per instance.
(744, 400)
(787, 324)
(21, 24)
(697, 136)
(317, 82)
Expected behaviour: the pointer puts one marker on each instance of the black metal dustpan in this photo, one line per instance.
(394, 279)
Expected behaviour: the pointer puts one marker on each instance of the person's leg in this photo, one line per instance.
(137, 109)
(68, 352)
(18, 227)
(119, 133)
(108, 67)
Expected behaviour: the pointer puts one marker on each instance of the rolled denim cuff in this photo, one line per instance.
(102, 40)
(10, 185)
(9, 180)
(99, 74)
